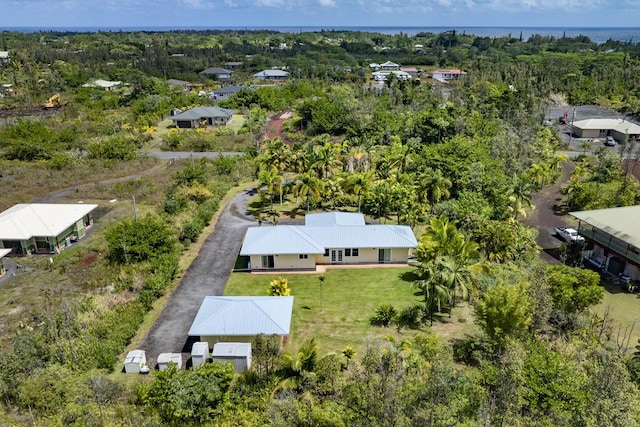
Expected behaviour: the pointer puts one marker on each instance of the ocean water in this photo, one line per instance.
(596, 34)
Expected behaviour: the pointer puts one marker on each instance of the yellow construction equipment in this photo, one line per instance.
(52, 102)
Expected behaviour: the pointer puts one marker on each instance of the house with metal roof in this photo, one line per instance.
(4, 56)
(444, 75)
(271, 75)
(217, 73)
(43, 227)
(194, 117)
(327, 238)
(241, 318)
(613, 236)
(103, 84)
(389, 66)
(619, 129)
(227, 91)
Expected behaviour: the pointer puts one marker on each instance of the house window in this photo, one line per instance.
(355, 252)
(347, 252)
(303, 256)
(326, 252)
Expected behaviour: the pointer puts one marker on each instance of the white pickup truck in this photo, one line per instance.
(568, 234)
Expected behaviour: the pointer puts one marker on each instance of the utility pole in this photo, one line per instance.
(135, 210)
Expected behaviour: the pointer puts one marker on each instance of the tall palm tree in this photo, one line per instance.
(327, 158)
(308, 186)
(359, 185)
(270, 179)
(276, 153)
(519, 197)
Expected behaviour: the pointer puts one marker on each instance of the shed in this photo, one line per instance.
(165, 358)
(199, 353)
(135, 360)
(238, 353)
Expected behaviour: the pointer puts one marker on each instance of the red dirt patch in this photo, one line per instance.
(274, 128)
(90, 259)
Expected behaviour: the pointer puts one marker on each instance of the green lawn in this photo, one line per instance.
(338, 314)
(624, 309)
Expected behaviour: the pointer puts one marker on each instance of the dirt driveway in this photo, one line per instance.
(548, 214)
(207, 275)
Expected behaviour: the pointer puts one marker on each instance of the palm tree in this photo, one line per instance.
(434, 186)
(276, 153)
(295, 366)
(333, 189)
(348, 353)
(327, 157)
(519, 197)
(308, 186)
(269, 179)
(359, 185)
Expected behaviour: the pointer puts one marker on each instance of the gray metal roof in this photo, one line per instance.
(271, 73)
(623, 223)
(334, 218)
(216, 70)
(199, 113)
(243, 316)
(229, 89)
(294, 239)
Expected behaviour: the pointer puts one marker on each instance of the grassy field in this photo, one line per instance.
(338, 314)
(623, 309)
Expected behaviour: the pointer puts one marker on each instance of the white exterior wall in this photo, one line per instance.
(367, 256)
(285, 262)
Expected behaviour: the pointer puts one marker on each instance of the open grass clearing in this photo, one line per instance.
(622, 308)
(337, 313)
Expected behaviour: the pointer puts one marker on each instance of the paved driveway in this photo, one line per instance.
(207, 275)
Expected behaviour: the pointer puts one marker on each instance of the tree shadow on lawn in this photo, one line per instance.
(409, 276)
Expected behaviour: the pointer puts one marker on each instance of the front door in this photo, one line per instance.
(336, 255)
(384, 255)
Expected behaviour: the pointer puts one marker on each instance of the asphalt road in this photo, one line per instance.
(207, 276)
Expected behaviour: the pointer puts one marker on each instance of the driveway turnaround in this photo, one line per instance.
(207, 275)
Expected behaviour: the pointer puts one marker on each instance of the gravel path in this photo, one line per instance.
(207, 276)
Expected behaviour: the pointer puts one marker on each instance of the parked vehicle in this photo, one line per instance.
(610, 142)
(568, 234)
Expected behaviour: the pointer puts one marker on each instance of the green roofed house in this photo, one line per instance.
(327, 238)
(42, 227)
(241, 318)
(615, 236)
(194, 117)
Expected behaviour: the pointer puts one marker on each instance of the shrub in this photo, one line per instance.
(412, 317)
(279, 287)
(385, 316)
(135, 241)
(191, 230)
(115, 148)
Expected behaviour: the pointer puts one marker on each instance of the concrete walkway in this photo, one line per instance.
(207, 276)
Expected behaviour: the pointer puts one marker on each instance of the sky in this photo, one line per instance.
(323, 13)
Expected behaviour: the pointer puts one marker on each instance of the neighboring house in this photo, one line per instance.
(186, 86)
(445, 75)
(217, 73)
(374, 67)
(240, 319)
(4, 56)
(211, 116)
(3, 253)
(381, 76)
(233, 65)
(272, 75)
(43, 228)
(326, 238)
(226, 92)
(389, 66)
(412, 71)
(103, 84)
(615, 235)
(601, 128)
(6, 89)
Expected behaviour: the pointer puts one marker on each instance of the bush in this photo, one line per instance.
(115, 148)
(412, 317)
(191, 230)
(385, 316)
(136, 241)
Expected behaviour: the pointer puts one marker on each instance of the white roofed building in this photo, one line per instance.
(42, 227)
(615, 236)
(241, 318)
(327, 238)
(272, 75)
(600, 128)
(103, 84)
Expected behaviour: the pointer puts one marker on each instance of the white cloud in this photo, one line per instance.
(327, 3)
